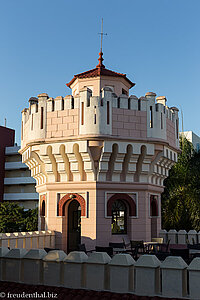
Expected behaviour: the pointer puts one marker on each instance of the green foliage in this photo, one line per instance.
(181, 197)
(13, 218)
(32, 219)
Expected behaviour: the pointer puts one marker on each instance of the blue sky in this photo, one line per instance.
(43, 43)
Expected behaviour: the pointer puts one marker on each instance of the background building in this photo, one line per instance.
(16, 183)
(19, 186)
(193, 138)
(99, 158)
(7, 138)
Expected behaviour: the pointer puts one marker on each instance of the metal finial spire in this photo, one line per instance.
(101, 53)
(102, 34)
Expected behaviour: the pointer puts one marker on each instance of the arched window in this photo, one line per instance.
(153, 206)
(119, 217)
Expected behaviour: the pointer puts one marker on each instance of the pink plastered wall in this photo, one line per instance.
(103, 224)
(138, 228)
(96, 227)
(62, 123)
(170, 129)
(88, 225)
(129, 123)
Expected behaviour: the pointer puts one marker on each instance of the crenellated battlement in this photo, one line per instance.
(123, 101)
(107, 114)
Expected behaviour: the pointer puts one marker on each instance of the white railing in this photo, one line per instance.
(28, 240)
(121, 274)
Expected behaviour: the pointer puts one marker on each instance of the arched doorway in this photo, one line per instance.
(43, 209)
(67, 212)
(74, 225)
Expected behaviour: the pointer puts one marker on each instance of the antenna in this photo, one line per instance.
(102, 34)
(5, 121)
(100, 59)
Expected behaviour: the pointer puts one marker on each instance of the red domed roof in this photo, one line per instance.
(100, 70)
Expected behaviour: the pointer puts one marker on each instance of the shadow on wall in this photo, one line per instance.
(89, 243)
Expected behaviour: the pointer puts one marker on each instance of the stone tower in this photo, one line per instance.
(99, 157)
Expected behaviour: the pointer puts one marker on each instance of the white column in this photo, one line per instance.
(29, 240)
(192, 236)
(42, 239)
(194, 275)
(11, 240)
(182, 237)
(52, 267)
(147, 275)
(97, 271)
(4, 240)
(172, 236)
(3, 252)
(174, 277)
(13, 266)
(122, 273)
(52, 239)
(163, 234)
(18, 240)
(74, 270)
(33, 266)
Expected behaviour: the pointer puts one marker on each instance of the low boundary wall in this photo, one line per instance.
(121, 274)
(28, 240)
(180, 237)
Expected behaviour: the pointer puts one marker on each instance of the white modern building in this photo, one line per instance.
(19, 186)
(193, 138)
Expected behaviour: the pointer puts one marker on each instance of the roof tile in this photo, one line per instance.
(99, 71)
